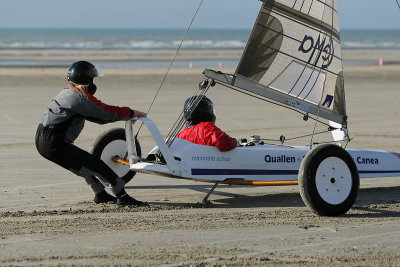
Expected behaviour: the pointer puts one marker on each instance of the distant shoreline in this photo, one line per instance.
(151, 58)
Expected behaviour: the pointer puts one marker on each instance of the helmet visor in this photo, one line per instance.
(214, 110)
(96, 71)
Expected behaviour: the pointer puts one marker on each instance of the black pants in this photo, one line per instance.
(51, 145)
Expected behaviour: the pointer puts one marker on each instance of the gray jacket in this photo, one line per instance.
(70, 110)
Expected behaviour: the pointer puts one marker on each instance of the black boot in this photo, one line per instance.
(104, 197)
(124, 199)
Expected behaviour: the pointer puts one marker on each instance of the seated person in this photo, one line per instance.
(202, 129)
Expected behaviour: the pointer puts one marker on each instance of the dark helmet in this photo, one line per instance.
(203, 112)
(83, 72)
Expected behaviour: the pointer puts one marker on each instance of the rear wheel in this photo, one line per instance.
(328, 180)
(113, 143)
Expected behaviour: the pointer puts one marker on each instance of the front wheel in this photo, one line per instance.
(113, 143)
(328, 180)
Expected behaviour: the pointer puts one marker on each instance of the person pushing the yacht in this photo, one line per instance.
(64, 120)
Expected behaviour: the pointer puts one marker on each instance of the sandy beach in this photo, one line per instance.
(47, 216)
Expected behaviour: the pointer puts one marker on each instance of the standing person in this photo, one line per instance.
(64, 120)
(202, 129)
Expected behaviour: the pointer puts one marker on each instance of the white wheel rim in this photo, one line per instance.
(333, 180)
(115, 148)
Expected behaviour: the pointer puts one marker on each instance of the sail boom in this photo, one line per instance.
(245, 84)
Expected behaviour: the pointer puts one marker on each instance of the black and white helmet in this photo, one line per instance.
(83, 72)
(204, 111)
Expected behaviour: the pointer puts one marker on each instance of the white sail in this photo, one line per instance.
(293, 56)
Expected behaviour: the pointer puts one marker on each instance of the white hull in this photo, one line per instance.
(268, 163)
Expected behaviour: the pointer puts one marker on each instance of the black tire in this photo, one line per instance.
(113, 143)
(328, 180)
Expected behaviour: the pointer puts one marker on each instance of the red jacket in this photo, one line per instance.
(206, 133)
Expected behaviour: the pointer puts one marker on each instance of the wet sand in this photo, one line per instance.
(47, 217)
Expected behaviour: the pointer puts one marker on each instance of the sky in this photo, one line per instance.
(353, 14)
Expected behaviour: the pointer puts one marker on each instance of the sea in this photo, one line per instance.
(137, 39)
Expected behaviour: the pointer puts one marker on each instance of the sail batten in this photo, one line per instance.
(293, 56)
(307, 20)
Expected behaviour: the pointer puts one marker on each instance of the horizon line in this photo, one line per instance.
(151, 28)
